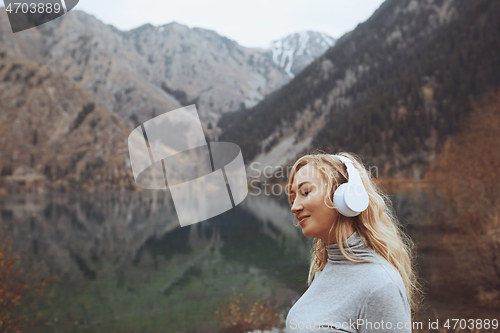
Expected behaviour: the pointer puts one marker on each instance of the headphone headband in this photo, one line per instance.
(350, 198)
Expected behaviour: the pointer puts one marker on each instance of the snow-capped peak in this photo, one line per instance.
(294, 52)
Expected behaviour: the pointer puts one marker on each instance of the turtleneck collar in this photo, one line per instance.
(356, 246)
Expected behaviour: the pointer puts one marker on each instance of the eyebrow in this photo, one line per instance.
(300, 185)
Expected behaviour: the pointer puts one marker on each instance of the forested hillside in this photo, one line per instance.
(411, 113)
(392, 90)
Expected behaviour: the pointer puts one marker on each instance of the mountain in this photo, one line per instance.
(294, 52)
(97, 57)
(109, 81)
(150, 70)
(54, 136)
(199, 66)
(392, 90)
(411, 115)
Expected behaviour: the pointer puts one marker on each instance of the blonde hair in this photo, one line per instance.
(377, 225)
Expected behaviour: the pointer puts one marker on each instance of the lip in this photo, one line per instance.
(302, 219)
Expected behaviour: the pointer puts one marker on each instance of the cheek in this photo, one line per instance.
(327, 215)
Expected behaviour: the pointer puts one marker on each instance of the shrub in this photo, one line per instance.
(242, 316)
(21, 292)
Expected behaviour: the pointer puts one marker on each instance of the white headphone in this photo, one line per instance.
(350, 198)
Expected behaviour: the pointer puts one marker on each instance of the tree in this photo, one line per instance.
(466, 174)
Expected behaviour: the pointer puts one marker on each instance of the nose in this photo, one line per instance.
(296, 207)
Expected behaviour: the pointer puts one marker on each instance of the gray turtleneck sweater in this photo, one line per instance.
(353, 297)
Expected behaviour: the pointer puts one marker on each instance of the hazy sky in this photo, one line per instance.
(251, 23)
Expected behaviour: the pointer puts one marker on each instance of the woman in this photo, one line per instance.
(361, 277)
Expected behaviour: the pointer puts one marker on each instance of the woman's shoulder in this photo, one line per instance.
(381, 273)
(372, 274)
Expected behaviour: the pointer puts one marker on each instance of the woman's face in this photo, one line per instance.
(308, 193)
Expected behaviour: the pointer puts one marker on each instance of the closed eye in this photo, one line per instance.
(303, 194)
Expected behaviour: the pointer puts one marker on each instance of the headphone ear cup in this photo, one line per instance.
(348, 199)
(338, 199)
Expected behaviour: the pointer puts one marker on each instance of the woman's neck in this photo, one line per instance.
(350, 231)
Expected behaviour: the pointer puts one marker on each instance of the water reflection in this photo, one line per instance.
(122, 257)
(84, 235)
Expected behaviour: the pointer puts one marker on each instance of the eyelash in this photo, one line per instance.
(303, 194)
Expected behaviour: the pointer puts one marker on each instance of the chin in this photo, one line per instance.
(308, 235)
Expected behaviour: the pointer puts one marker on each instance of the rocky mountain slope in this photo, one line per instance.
(199, 66)
(371, 86)
(54, 136)
(409, 117)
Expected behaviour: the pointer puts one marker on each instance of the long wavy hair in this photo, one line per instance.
(377, 225)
